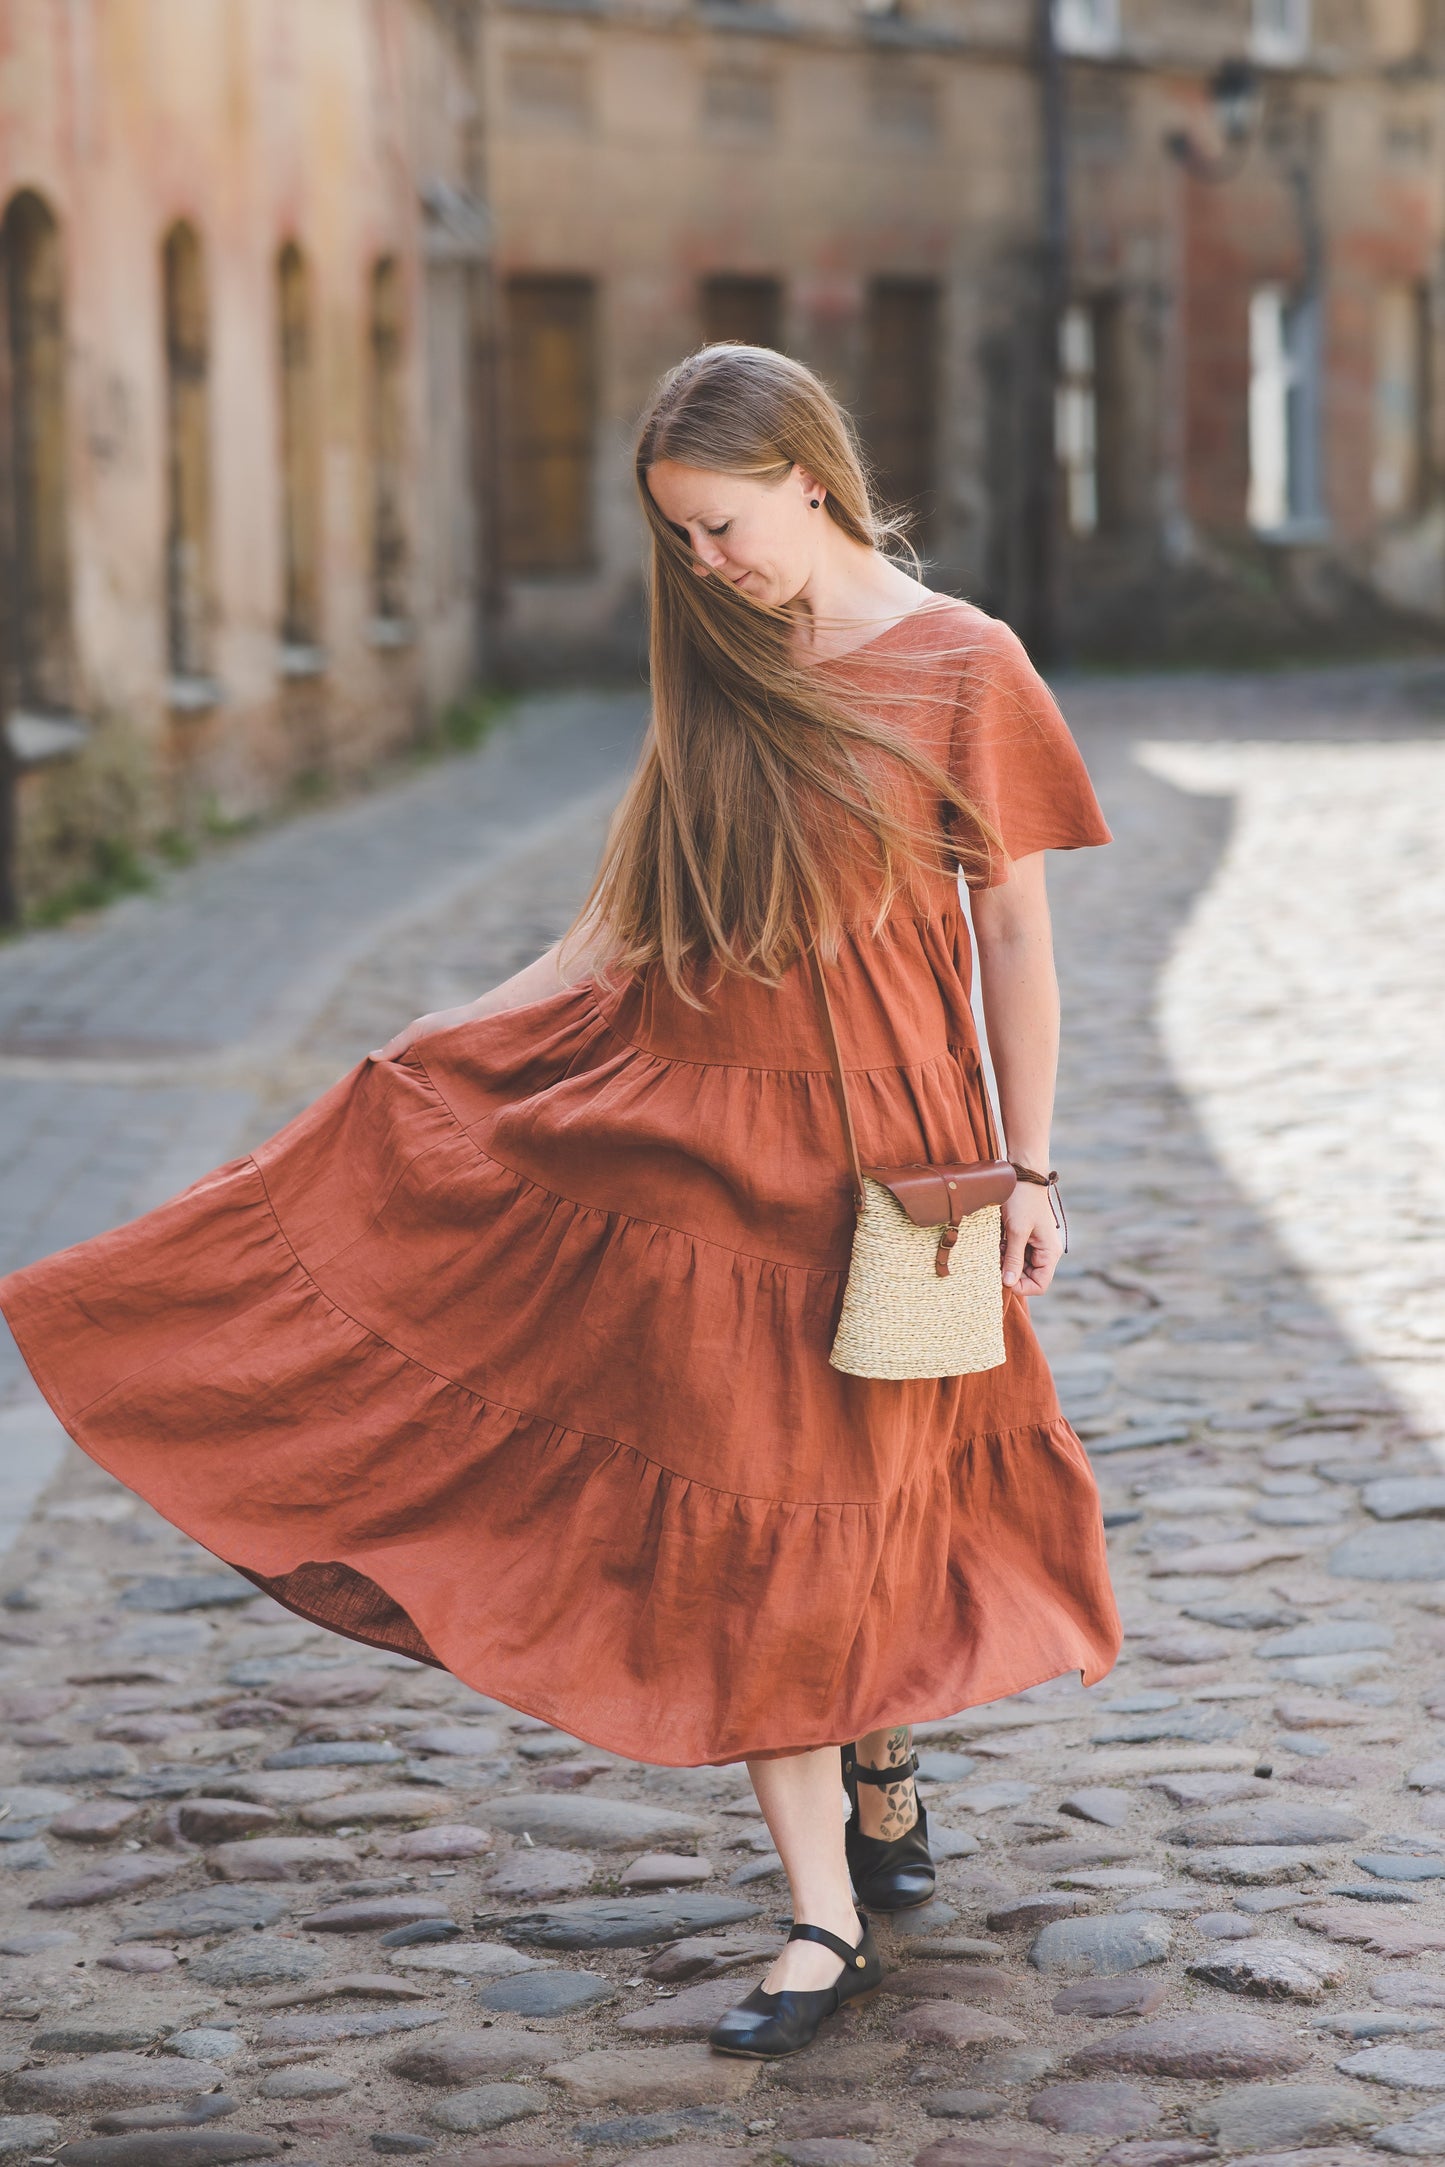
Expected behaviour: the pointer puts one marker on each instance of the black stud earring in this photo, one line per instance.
(815, 502)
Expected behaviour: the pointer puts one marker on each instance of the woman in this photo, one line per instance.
(511, 1351)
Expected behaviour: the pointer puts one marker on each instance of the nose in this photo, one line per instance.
(707, 549)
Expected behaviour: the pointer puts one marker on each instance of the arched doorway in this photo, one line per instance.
(35, 648)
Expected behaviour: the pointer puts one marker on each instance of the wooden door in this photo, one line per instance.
(900, 400)
(748, 310)
(550, 425)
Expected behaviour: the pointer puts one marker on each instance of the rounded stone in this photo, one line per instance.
(547, 1993)
(664, 1869)
(1266, 1822)
(1404, 2069)
(452, 1840)
(487, 2106)
(1026, 1911)
(965, 2105)
(948, 2024)
(458, 2057)
(539, 1872)
(1423, 2137)
(205, 1911)
(1275, 1970)
(1250, 1865)
(1276, 2117)
(105, 2080)
(1119, 1997)
(21, 2133)
(202, 2043)
(626, 1922)
(139, 1956)
(1409, 1989)
(374, 1914)
(454, 1741)
(1204, 2043)
(258, 1960)
(284, 1858)
(600, 1824)
(1101, 1947)
(305, 2083)
(1095, 2110)
(1399, 1551)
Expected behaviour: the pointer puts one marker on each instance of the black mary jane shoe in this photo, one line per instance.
(766, 2026)
(889, 1873)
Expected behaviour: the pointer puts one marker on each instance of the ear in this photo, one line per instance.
(809, 485)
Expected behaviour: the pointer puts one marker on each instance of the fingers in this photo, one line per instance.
(1039, 1266)
(396, 1045)
(1032, 1246)
(1015, 1249)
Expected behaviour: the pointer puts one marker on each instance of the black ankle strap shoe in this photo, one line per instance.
(889, 1873)
(766, 2026)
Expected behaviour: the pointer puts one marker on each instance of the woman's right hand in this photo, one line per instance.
(440, 1019)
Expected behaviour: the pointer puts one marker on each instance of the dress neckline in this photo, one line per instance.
(921, 609)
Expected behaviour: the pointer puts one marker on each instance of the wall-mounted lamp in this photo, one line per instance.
(1235, 94)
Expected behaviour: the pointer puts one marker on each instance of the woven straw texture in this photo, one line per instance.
(900, 1318)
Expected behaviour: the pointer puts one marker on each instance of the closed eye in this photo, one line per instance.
(716, 531)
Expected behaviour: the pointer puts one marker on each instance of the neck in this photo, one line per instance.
(851, 594)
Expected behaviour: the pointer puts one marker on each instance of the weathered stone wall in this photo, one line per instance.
(911, 146)
(259, 123)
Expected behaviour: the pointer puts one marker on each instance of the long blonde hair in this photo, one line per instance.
(727, 847)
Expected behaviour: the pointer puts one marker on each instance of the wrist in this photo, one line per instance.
(1030, 1152)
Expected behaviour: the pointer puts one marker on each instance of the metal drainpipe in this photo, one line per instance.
(486, 432)
(1042, 616)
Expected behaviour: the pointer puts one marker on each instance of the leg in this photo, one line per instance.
(888, 1811)
(802, 1803)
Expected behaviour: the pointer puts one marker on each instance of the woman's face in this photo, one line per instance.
(762, 536)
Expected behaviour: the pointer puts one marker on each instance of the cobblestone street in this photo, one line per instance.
(268, 1895)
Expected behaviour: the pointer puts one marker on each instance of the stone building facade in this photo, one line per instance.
(238, 262)
(324, 329)
(1245, 421)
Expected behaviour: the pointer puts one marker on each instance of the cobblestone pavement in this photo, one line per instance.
(269, 1895)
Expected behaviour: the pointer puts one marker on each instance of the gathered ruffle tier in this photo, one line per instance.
(512, 1354)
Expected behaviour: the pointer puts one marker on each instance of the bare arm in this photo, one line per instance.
(534, 983)
(1021, 1009)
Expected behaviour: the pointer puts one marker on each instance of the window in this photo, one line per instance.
(1280, 32)
(1283, 410)
(902, 103)
(900, 403)
(188, 456)
(1076, 419)
(550, 424)
(388, 531)
(1402, 401)
(749, 310)
(300, 478)
(1399, 28)
(549, 90)
(1086, 26)
(738, 101)
(34, 524)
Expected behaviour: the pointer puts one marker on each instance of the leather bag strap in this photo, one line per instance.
(840, 1083)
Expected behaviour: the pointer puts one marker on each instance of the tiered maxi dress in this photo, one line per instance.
(512, 1352)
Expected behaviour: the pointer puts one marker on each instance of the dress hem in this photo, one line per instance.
(1090, 1667)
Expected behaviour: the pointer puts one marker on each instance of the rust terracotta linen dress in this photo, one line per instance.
(513, 1352)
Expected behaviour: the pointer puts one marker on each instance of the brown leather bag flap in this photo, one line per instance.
(938, 1195)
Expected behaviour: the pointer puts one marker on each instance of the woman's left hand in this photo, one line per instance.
(1032, 1243)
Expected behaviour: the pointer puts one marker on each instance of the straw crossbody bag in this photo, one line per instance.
(924, 1296)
